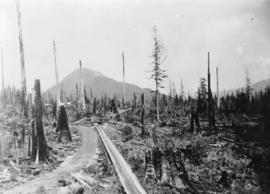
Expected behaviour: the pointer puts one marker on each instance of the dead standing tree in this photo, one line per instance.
(218, 98)
(124, 83)
(211, 111)
(58, 101)
(158, 74)
(23, 77)
(39, 144)
(62, 126)
(3, 85)
(82, 94)
(142, 115)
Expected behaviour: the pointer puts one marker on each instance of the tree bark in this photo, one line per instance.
(211, 114)
(142, 115)
(62, 126)
(157, 101)
(39, 143)
(29, 145)
(23, 78)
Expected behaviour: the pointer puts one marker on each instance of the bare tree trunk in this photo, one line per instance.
(29, 145)
(82, 94)
(142, 115)
(55, 63)
(56, 77)
(157, 101)
(105, 105)
(39, 142)
(124, 83)
(23, 135)
(76, 103)
(170, 96)
(218, 99)
(211, 114)
(23, 78)
(3, 85)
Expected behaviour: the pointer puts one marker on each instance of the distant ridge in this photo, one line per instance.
(261, 85)
(98, 83)
(256, 87)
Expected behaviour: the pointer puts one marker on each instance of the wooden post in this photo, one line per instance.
(23, 77)
(124, 82)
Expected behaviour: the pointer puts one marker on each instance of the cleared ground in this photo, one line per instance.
(80, 159)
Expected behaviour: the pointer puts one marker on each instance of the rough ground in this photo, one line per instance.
(80, 159)
(128, 179)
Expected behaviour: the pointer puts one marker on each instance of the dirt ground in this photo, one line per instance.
(47, 183)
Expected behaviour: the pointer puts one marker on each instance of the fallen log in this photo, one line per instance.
(78, 178)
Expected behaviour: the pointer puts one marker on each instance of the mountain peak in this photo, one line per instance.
(84, 72)
(96, 82)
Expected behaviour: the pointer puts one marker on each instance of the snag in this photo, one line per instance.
(62, 126)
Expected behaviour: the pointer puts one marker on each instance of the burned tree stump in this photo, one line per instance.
(194, 118)
(29, 145)
(150, 174)
(113, 106)
(62, 126)
(39, 144)
(157, 154)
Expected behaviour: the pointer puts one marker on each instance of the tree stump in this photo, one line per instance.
(39, 144)
(62, 126)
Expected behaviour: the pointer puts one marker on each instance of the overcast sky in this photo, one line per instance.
(236, 32)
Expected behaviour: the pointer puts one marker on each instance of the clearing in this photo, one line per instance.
(83, 157)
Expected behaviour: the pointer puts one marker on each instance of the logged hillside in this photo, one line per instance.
(98, 83)
(256, 87)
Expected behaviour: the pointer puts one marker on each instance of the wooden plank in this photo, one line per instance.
(127, 177)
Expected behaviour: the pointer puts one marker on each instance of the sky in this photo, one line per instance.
(235, 32)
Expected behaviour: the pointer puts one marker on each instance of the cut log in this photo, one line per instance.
(79, 179)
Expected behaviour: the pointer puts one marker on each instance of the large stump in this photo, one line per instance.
(39, 145)
(62, 126)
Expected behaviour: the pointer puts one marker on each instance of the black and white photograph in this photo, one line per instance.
(134, 96)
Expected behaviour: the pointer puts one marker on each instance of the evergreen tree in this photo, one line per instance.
(202, 97)
(158, 74)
